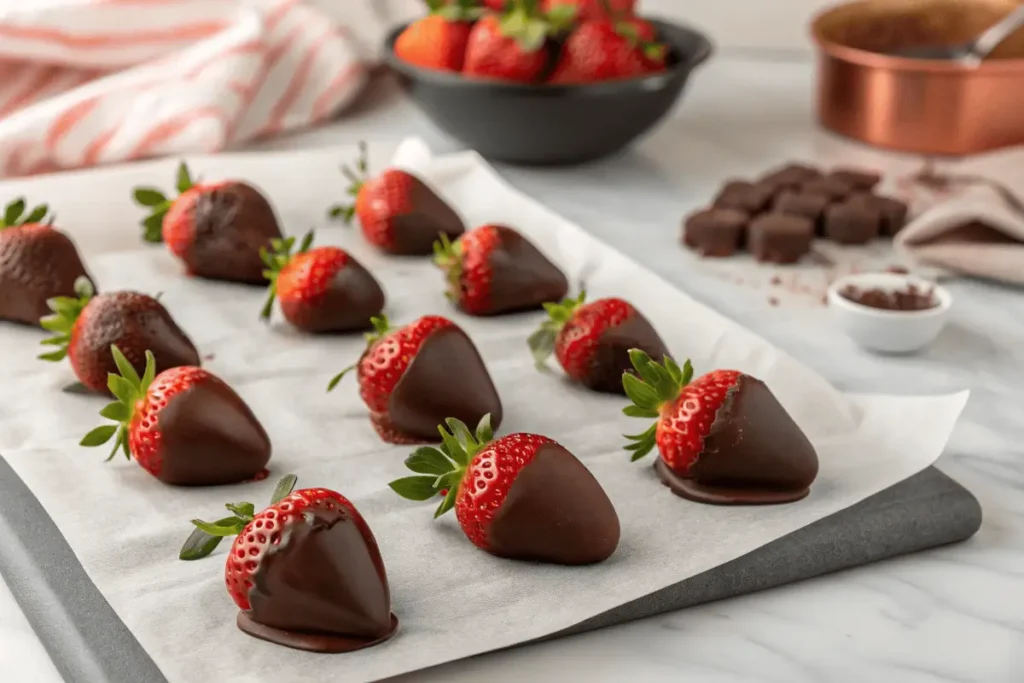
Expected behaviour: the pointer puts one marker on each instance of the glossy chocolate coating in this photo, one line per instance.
(522, 278)
(715, 232)
(353, 296)
(36, 264)
(232, 222)
(754, 454)
(852, 222)
(744, 196)
(611, 359)
(446, 378)
(323, 588)
(210, 437)
(414, 232)
(780, 238)
(555, 511)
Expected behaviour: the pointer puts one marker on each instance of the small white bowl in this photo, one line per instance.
(883, 330)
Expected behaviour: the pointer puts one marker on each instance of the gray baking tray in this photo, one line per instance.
(90, 644)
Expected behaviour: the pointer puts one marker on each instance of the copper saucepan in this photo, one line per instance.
(913, 105)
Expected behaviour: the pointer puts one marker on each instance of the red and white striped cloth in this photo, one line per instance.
(85, 82)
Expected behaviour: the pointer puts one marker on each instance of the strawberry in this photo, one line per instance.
(305, 572)
(520, 496)
(217, 229)
(184, 426)
(589, 10)
(605, 49)
(86, 325)
(397, 211)
(493, 269)
(413, 377)
(723, 437)
(438, 40)
(37, 262)
(513, 46)
(592, 341)
(322, 289)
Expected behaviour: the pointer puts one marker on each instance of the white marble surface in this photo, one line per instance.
(952, 614)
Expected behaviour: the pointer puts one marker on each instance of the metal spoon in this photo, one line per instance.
(972, 53)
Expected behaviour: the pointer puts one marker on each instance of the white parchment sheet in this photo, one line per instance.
(453, 600)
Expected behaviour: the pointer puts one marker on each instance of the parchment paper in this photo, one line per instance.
(453, 600)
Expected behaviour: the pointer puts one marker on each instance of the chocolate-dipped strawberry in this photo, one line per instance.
(184, 426)
(217, 229)
(414, 377)
(305, 572)
(37, 262)
(397, 211)
(592, 340)
(493, 269)
(521, 496)
(322, 289)
(87, 325)
(724, 438)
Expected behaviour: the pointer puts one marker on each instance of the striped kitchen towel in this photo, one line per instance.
(85, 82)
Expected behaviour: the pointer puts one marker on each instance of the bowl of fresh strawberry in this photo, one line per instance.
(544, 82)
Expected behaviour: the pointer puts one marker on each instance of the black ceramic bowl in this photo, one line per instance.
(552, 124)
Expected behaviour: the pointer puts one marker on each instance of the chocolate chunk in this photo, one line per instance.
(754, 454)
(37, 263)
(892, 212)
(744, 196)
(908, 298)
(856, 178)
(232, 222)
(852, 223)
(447, 378)
(806, 204)
(352, 297)
(611, 358)
(833, 188)
(210, 437)
(715, 232)
(414, 232)
(522, 278)
(780, 238)
(323, 588)
(789, 177)
(555, 511)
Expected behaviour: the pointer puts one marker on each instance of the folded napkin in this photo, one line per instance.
(971, 217)
(86, 82)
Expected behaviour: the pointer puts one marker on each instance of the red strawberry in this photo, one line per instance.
(513, 46)
(588, 10)
(414, 377)
(723, 437)
(493, 269)
(438, 40)
(306, 571)
(397, 211)
(592, 341)
(87, 325)
(183, 426)
(217, 229)
(604, 50)
(320, 290)
(520, 496)
(37, 262)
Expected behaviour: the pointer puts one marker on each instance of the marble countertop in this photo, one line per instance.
(950, 614)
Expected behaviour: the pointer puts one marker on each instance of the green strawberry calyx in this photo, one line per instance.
(206, 536)
(357, 178)
(456, 10)
(656, 385)
(542, 341)
(653, 51)
(159, 204)
(128, 390)
(275, 259)
(443, 468)
(448, 257)
(14, 214)
(381, 328)
(66, 310)
(523, 22)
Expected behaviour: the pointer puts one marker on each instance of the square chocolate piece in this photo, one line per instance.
(789, 177)
(804, 204)
(852, 222)
(893, 213)
(857, 178)
(744, 196)
(833, 188)
(715, 232)
(780, 237)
